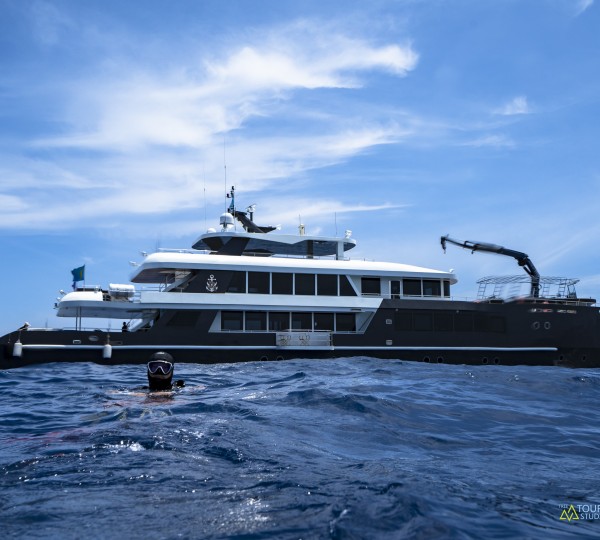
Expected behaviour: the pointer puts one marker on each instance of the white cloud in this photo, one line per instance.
(10, 203)
(180, 109)
(582, 5)
(313, 213)
(498, 141)
(139, 139)
(158, 181)
(518, 105)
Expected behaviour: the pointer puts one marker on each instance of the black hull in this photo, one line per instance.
(536, 333)
(577, 358)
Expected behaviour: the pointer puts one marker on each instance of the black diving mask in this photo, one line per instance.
(160, 373)
(160, 367)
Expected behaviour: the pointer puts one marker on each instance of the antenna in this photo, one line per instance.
(225, 169)
(204, 191)
(231, 195)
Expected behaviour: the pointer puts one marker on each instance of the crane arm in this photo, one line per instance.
(521, 258)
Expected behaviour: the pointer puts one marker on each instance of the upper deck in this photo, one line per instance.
(226, 242)
(163, 267)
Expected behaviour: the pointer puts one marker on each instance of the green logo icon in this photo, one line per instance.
(569, 514)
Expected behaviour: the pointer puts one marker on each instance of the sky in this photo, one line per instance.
(122, 125)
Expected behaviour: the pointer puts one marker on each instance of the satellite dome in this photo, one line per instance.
(226, 221)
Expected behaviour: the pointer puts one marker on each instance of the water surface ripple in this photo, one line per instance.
(359, 448)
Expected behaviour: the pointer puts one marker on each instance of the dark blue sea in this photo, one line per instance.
(302, 449)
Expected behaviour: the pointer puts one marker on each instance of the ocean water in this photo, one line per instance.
(348, 448)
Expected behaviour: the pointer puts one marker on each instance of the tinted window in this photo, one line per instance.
(232, 320)
(403, 321)
(446, 288)
(184, 318)
(480, 322)
(371, 286)
(258, 282)
(324, 321)
(443, 322)
(463, 322)
(256, 320)
(346, 288)
(412, 287)
(305, 284)
(395, 289)
(345, 322)
(327, 285)
(423, 322)
(432, 287)
(279, 321)
(282, 283)
(301, 321)
(237, 283)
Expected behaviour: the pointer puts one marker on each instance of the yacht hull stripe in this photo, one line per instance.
(299, 348)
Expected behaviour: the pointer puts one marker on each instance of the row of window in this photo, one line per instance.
(419, 287)
(443, 321)
(216, 281)
(314, 284)
(256, 321)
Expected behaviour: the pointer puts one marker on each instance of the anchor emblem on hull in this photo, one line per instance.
(211, 284)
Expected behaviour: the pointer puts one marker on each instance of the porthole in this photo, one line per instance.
(547, 325)
(484, 360)
(440, 360)
(264, 359)
(496, 360)
(279, 358)
(536, 325)
(426, 359)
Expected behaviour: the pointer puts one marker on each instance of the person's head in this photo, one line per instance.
(160, 371)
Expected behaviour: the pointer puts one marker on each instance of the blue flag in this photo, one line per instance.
(78, 274)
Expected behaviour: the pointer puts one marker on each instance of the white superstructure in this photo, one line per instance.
(254, 270)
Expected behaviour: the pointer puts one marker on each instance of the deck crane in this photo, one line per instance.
(522, 258)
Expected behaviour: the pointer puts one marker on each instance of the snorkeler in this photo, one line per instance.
(160, 372)
(160, 382)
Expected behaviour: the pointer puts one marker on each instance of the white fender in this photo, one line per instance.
(107, 351)
(18, 350)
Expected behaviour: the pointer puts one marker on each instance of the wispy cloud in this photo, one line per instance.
(160, 181)
(312, 211)
(517, 105)
(582, 5)
(135, 137)
(149, 107)
(492, 140)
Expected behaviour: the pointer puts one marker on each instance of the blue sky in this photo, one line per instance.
(400, 120)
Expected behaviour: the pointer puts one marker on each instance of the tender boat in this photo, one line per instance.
(245, 293)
